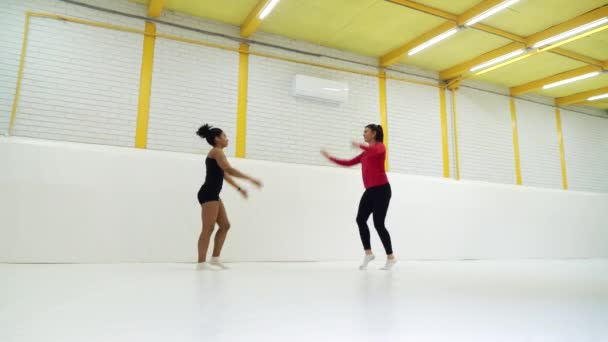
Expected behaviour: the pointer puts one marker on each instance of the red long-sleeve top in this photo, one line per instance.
(372, 160)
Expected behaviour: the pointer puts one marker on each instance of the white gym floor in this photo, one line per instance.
(418, 301)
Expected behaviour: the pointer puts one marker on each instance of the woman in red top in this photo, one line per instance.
(377, 195)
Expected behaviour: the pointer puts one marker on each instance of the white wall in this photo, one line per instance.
(281, 127)
(485, 137)
(80, 83)
(538, 145)
(586, 151)
(191, 85)
(64, 202)
(53, 56)
(415, 129)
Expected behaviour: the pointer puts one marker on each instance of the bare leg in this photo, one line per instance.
(220, 235)
(209, 212)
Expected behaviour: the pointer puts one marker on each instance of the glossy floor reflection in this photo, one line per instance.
(417, 301)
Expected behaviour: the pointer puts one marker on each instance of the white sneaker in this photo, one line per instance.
(203, 266)
(215, 261)
(389, 264)
(366, 260)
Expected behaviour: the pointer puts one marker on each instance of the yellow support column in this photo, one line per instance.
(11, 124)
(145, 86)
(241, 114)
(560, 138)
(444, 133)
(383, 111)
(515, 143)
(455, 126)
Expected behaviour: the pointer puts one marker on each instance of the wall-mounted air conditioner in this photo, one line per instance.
(320, 89)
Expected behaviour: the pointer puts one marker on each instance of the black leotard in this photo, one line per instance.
(214, 180)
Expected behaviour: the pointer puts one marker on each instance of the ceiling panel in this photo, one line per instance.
(368, 27)
(228, 11)
(531, 16)
(597, 82)
(594, 46)
(530, 69)
(452, 6)
(459, 48)
(313, 20)
(375, 27)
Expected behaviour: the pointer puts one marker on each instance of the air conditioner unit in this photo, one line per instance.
(320, 89)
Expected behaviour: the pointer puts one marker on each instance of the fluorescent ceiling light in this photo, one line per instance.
(432, 41)
(573, 79)
(498, 60)
(572, 32)
(599, 97)
(268, 9)
(508, 62)
(577, 37)
(490, 12)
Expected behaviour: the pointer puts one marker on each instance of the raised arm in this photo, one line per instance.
(374, 149)
(222, 161)
(343, 162)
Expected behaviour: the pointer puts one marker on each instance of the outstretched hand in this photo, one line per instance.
(325, 154)
(356, 144)
(257, 182)
(244, 193)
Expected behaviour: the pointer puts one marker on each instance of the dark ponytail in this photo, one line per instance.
(379, 131)
(209, 133)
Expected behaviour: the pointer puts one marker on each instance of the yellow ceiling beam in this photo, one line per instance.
(478, 9)
(580, 97)
(603, 104)
(579, 57)
(583, 19)
(395, 55)
(455, 18)
(252, 22)
(426, 9)
(464, 67)
(534, 85)
(499, 32)
(453, 21)
(155, 8)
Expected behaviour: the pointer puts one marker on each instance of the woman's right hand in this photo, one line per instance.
(257, 182)
(325, 154)
(244, 193)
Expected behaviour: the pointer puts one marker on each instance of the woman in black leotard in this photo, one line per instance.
(212, 207)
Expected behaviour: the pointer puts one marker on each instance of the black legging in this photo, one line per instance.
(375, 200)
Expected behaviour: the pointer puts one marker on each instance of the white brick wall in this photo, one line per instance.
(586, 150)
(485, 138)
(288, 129)
(414, 129)
(538, 145)
(80, 83)
(12, 17)
(191, 85)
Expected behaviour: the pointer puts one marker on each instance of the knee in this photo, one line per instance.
(225, 226)
(361, 221)
(379, 225)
